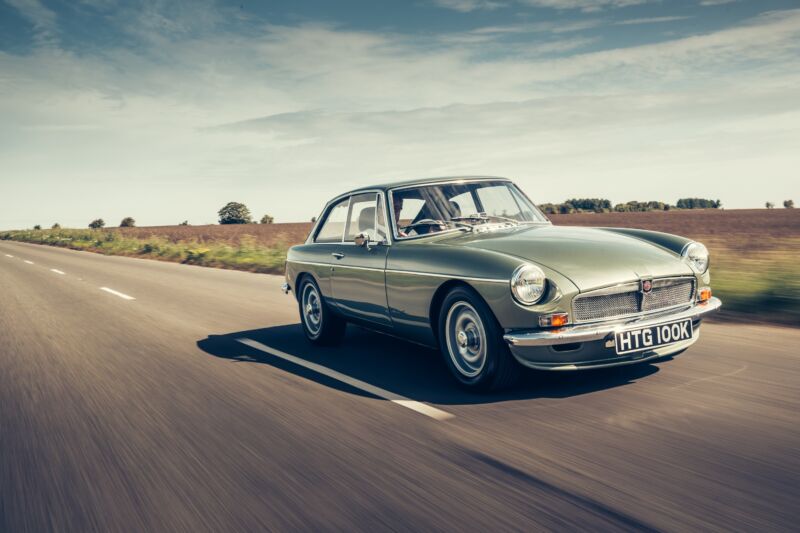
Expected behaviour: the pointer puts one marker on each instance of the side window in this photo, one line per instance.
(363, 213)
(333, 226)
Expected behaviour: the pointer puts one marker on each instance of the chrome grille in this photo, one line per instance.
(605, 306)
(627, 300)
(668, 295)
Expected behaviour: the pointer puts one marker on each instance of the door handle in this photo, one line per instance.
(338, 255)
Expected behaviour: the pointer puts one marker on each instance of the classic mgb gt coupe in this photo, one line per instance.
(471, 266)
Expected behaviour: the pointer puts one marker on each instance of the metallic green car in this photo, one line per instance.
(471, 266)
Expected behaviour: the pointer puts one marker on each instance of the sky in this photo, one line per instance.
(167, 110)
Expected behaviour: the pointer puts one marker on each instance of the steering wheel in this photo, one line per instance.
(427, 222)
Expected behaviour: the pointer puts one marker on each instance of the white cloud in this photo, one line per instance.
(650, 20)
(584, 5)
(465, 6)
(716, 2)
(136, 130)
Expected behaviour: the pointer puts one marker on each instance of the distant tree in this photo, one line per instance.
(184, 223)
(266, 219)
(698, 203)
(235, 213)
(127, 222)
(313, 220)
(598, 205)
(788, 204)
(37, 227)
(97, 223)
(56, 226)
(769, 205)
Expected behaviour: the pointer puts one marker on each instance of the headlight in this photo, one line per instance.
(697, 256)
(528, 284)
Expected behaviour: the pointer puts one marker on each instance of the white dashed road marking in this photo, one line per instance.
(9, 255)
(419, 407)
(57, 271)
(115, 293)
(29, 262)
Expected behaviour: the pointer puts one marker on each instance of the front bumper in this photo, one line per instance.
(592, 345)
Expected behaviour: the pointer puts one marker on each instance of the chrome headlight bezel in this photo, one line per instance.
(528, 284)
(696, 254)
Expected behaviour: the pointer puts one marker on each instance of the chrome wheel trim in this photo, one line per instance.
(312, 309)
(466, 339)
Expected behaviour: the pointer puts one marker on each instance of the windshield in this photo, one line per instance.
(481, 205)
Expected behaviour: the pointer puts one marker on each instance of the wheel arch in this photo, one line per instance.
(438, 299)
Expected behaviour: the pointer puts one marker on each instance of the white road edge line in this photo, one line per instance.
(29, 262)
(57, 271)
(419, 407)
(115, 293)
(9, 255)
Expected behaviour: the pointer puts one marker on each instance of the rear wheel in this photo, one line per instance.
(472, 343)
(320, 324)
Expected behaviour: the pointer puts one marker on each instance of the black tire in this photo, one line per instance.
(471, 342)
(320, 324)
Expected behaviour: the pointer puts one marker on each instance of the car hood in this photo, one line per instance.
(589, 257)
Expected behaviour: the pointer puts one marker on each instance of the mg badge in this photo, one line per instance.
(647, 286)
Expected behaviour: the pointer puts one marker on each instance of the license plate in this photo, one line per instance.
(636, 340)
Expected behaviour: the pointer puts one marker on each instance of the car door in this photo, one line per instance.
(358, 276)
(327, 244)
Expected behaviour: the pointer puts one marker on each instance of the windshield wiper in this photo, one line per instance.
(483, 217)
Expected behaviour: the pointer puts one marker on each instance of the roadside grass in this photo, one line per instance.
(246, 254)
(760, 285)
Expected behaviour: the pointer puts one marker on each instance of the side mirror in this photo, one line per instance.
(362, 240)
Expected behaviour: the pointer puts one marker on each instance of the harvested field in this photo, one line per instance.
(264, 234)
(751, 229)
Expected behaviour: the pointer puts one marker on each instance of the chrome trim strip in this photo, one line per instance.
(408, 272)
(310, 263)
(594, 332)
(448, 276)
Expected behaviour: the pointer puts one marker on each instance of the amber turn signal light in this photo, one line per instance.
(553, 321)
(704, 294)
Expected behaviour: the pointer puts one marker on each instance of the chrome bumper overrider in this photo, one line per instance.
(595, 332)
(285, 288)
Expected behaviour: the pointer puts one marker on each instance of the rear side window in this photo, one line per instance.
(363, 215)
(332, 228)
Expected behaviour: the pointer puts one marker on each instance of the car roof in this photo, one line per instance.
(423, 181)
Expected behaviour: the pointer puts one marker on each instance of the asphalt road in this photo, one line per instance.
(145, 414)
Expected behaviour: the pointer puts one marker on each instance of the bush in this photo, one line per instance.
(266, 219)
(235, 213)
(37, 227)
(97, 223)
(788, 204)
(769, 205)
(184, 223)
(127, 222)
(56, 226)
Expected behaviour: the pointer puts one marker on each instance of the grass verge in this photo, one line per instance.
(246, 254)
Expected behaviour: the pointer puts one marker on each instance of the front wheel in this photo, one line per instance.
(472, 343)
(320, 324)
